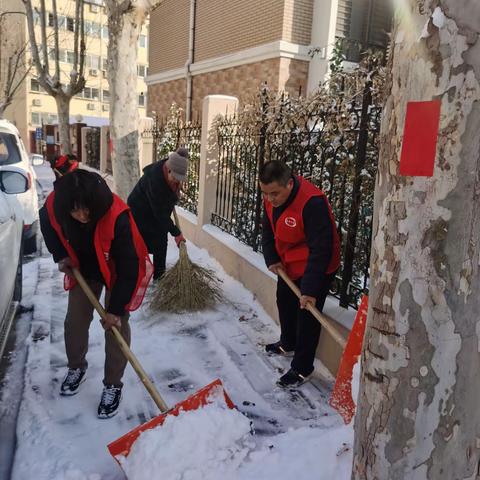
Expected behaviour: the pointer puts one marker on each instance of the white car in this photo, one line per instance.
(12, 152)
(13, 182)
(36, 160)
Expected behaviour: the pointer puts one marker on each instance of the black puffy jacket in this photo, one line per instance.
(152, 202)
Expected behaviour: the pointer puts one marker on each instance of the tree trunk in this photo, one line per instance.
(418, 415)
(63, 108)
(124, 29)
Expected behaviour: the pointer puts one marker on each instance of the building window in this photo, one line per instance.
(92, 29)
(141, 100)
(61, 19)
(70, 57)
(93, 61)
(106, 95)
(35, 85)
(91, 93)
(49, 118)
(142, 40)
(36, 17)
(39, 118)
(104, 31)
(70, 24)
(141, 71)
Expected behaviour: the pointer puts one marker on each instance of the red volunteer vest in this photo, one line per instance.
(290, 241)
(103, 236)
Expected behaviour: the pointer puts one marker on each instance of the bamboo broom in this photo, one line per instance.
(186, 286)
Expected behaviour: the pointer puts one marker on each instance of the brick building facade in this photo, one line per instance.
(231, 47)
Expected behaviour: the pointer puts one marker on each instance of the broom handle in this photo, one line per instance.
(122, 344)
(175, 216)
(324, 321)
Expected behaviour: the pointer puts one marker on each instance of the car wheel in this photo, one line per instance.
(30, 245)
(17, 293)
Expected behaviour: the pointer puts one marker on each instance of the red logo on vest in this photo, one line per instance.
(290, 222)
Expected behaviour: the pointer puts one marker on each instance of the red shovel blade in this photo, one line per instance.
(341, 398)
(199, 399)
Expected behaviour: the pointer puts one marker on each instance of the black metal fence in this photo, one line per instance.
(343, 164)
(169, 135)
(92, 148)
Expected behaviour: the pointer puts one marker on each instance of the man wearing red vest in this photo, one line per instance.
(299, 235)
(88, 227)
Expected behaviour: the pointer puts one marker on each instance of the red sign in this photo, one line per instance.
(420, 138)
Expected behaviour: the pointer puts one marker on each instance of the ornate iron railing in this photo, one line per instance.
(342, 164)
(168, 136)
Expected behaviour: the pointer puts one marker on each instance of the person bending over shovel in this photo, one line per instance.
(152, 201)
(88, 227)
(299, 235)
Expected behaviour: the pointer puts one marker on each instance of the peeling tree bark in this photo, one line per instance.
(125, 20)
(418, 415)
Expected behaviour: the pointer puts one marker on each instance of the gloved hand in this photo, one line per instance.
(65, 265)
(179, 239)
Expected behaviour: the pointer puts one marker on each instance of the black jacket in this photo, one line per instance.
(152, 202)
(318, 234)
(122, 252)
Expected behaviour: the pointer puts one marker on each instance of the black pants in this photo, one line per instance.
(159, 251)
(300, 330)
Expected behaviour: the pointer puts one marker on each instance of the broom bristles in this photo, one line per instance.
(186, 287)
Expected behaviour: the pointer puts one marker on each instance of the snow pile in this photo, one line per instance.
(214, 443)
(302, 454)
(197, 444)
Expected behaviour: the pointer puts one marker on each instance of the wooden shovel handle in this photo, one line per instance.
(122, 344)
(324, 321)
(175, 216)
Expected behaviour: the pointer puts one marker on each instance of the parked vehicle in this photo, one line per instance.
(12, 152)
(36, 160)
(13, 183)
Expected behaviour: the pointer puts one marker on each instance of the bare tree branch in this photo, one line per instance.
(34, 45)
(43, 29)
(15, 66)
(57, 48)
(62, 92)
(76, 38)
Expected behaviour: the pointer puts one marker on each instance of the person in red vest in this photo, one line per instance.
(88, 227)
(299, 235)
(63, 164)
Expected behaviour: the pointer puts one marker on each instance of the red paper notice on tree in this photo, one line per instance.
(420, 138)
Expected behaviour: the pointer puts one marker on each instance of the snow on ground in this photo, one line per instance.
(296, 433)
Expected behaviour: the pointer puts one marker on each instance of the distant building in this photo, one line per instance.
(202, 47)
(32, 108)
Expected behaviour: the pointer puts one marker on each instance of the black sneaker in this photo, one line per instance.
(75, 376)
(278, 349)
(110, 401)
(292, 379)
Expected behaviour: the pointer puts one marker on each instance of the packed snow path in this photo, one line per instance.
(61, 438)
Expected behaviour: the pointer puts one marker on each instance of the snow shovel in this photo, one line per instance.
(200, 398)
(341, 398)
